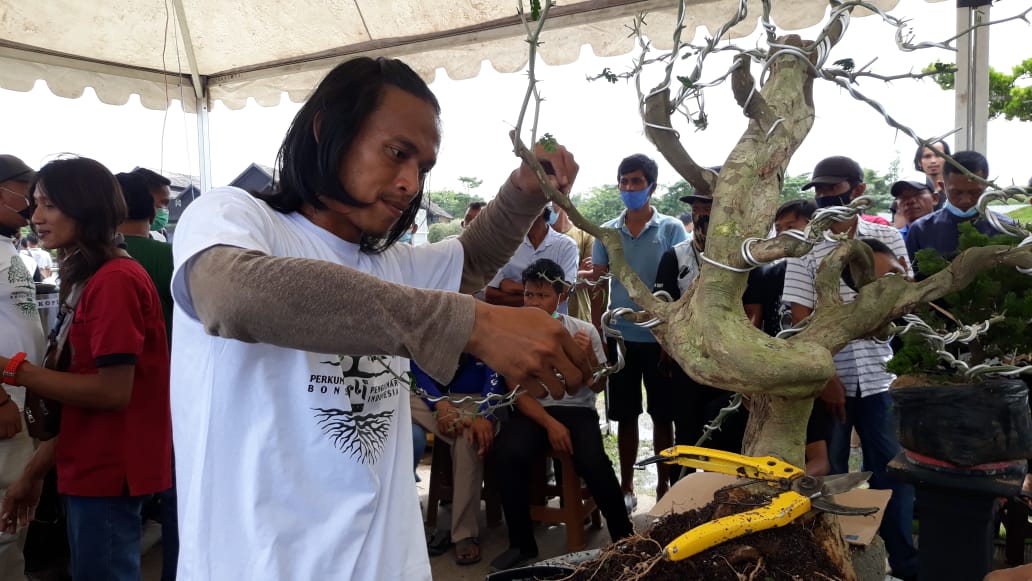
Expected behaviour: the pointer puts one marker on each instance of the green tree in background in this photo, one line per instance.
(600, 204)
(442, 230)
(792, 188)
(470, 182)
(1006, 98)
(669, 202)
(452, 202)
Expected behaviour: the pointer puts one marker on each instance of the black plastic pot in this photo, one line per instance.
(966, 425)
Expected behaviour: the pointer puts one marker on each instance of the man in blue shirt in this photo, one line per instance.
(646, 235)
(470, 433)
(939, 230)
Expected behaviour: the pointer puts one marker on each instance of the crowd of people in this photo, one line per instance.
(288, 344)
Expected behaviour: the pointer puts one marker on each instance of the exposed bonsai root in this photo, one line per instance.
(788, 553)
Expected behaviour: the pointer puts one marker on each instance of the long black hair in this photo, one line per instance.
(85, 191)
(340, 106)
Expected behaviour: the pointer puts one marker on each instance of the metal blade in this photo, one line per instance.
(839, 483)
(831, 507)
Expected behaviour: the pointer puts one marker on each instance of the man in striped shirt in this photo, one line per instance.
(858, 395)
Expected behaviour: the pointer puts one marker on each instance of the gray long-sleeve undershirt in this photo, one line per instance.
(253, 297)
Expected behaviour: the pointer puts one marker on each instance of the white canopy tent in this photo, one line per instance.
(199, 51)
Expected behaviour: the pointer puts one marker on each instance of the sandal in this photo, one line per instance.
(467, 551)
(439, 542)
(511, 558)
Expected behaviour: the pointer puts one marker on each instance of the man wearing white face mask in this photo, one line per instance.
(506, 288)
(940, 229)
(646, 235)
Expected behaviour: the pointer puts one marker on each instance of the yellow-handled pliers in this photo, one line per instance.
(797, 494)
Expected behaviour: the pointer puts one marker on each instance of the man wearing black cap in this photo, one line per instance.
(858, 395)
(913, 200)
(679, 265)
(22, 332)
(678, 269)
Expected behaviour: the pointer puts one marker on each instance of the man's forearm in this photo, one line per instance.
(293, 302)
(532, 408)
(495, 235)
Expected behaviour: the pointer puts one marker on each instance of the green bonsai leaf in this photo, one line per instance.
(548, 142)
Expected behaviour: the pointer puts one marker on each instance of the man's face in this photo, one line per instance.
(790, 221)
(386, 165)
(826, 190)
(962, 191)
(885, 264)
(471, 214)
(913, 203)
(633, 182)
(700, 216)
(541, 295)
(161, 196)
(931, 164)
(15, 198)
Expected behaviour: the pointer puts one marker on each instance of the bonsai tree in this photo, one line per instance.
(782, 376)
(985, 323)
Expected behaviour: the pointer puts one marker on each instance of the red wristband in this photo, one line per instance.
(12, 368)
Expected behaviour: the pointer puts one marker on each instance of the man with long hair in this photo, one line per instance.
(293, 312)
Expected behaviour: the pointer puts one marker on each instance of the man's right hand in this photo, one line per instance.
(559, 437)
(528, 347)
(834, 397)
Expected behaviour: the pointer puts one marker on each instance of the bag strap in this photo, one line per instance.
(58, 337)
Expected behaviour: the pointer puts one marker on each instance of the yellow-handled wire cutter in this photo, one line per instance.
(798, 493)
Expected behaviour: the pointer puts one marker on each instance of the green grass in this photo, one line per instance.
(1023, 215)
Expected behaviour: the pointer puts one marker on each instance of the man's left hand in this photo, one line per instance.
(481, 435)
(10, 418)
(562, 162)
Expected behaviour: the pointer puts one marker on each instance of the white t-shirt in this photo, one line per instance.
(19, 317)
(559, 248)
(42, 257)
(293, 465)
(585, 397)
(29, 262)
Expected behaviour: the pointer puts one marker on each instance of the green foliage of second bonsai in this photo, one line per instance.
(997, 291)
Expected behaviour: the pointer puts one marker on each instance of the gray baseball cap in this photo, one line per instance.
(12, 168)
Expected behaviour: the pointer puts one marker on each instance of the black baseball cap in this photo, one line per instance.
(697, 197)
(12, 168)
(835, 170)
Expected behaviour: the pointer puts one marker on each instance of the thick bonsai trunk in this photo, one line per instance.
(777, 426)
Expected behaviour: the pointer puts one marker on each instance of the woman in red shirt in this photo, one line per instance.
(114, 447)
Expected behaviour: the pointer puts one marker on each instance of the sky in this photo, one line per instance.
(597, 121)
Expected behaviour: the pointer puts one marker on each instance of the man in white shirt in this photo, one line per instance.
(858, 395)
(22, 332)
(290, 403)
(42, 257)
(506, 288)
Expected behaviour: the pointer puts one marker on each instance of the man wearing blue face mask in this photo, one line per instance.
(646, 235)
(939, 230)
(506, 288)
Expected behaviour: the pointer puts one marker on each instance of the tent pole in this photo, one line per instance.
(203, 141)
(972, 78)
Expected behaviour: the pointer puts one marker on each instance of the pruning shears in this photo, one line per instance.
(797, 494)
